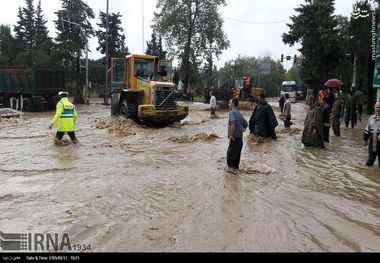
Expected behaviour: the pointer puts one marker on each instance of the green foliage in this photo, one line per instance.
(154, 46)
(7, 47)
(360, 43)
(41, 37)
(271, 83)
(315, 28)
(78, 12)
(71, 36)
(31, 36)
(187, 26)
(293, 73)
(96, 71)
(116, 37)
(33, 56)
(25, 28)
(245, 66)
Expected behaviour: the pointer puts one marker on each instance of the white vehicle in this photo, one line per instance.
(290, 88)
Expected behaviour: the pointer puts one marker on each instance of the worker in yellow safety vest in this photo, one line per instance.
(66, 116)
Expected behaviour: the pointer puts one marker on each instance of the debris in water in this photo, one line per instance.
(119, 126)
(246, 105)
(288, 131)
(6, 121)
(189, 121)
(252, 138)
(255, 168)
(193, 138)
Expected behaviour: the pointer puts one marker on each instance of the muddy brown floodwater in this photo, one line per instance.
(132, 188)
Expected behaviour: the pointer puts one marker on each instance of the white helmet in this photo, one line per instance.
(63, 93)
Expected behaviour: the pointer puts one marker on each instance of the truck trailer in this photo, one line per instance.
(32, 89)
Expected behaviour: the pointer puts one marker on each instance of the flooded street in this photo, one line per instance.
(166, 189)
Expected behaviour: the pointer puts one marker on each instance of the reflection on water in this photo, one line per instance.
(145, 192)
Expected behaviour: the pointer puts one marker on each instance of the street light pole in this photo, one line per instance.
(106, 92)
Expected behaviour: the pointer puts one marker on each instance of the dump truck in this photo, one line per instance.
(140, 91)
(32, 89)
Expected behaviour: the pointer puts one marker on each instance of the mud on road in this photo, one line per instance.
(127, 187)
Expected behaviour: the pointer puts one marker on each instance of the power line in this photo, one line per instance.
(256, 23)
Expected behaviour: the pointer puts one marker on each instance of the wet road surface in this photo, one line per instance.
(147, 191)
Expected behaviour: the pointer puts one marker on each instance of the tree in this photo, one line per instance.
(154, 46)
(32, 56)
(214, 42)
(25, 28)
(41, 37)
(7, 46)
(271, 83)
(245, 66)
(343, 69)
(71, 39)
(360, 28)
(116, 37)
(96, 72)
(293, 73)
(184, 24)
(315, 28)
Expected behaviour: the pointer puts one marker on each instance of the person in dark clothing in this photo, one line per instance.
(372, 135)
(236, 127)
(281, 103)
(351, 109)
(312, 135)
(326, 112)
(330, 98)
(337, 113)
(360, 101)
(263, 121)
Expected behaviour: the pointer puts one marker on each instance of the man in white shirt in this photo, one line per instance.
(371, 137)
(212, 104)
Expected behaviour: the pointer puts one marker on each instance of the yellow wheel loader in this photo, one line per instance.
(141, 91)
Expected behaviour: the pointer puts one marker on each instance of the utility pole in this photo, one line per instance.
(142, 31)
(106, 92)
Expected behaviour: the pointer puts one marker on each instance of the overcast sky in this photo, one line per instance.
(254, 27)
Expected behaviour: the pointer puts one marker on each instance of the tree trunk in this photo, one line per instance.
(186, 58)
(78, 96)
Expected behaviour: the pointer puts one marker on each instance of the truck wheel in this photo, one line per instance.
(123, 109)
(129, 110)
(132, 110)
(26, 105)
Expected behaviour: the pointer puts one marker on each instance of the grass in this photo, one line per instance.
(198, 99)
